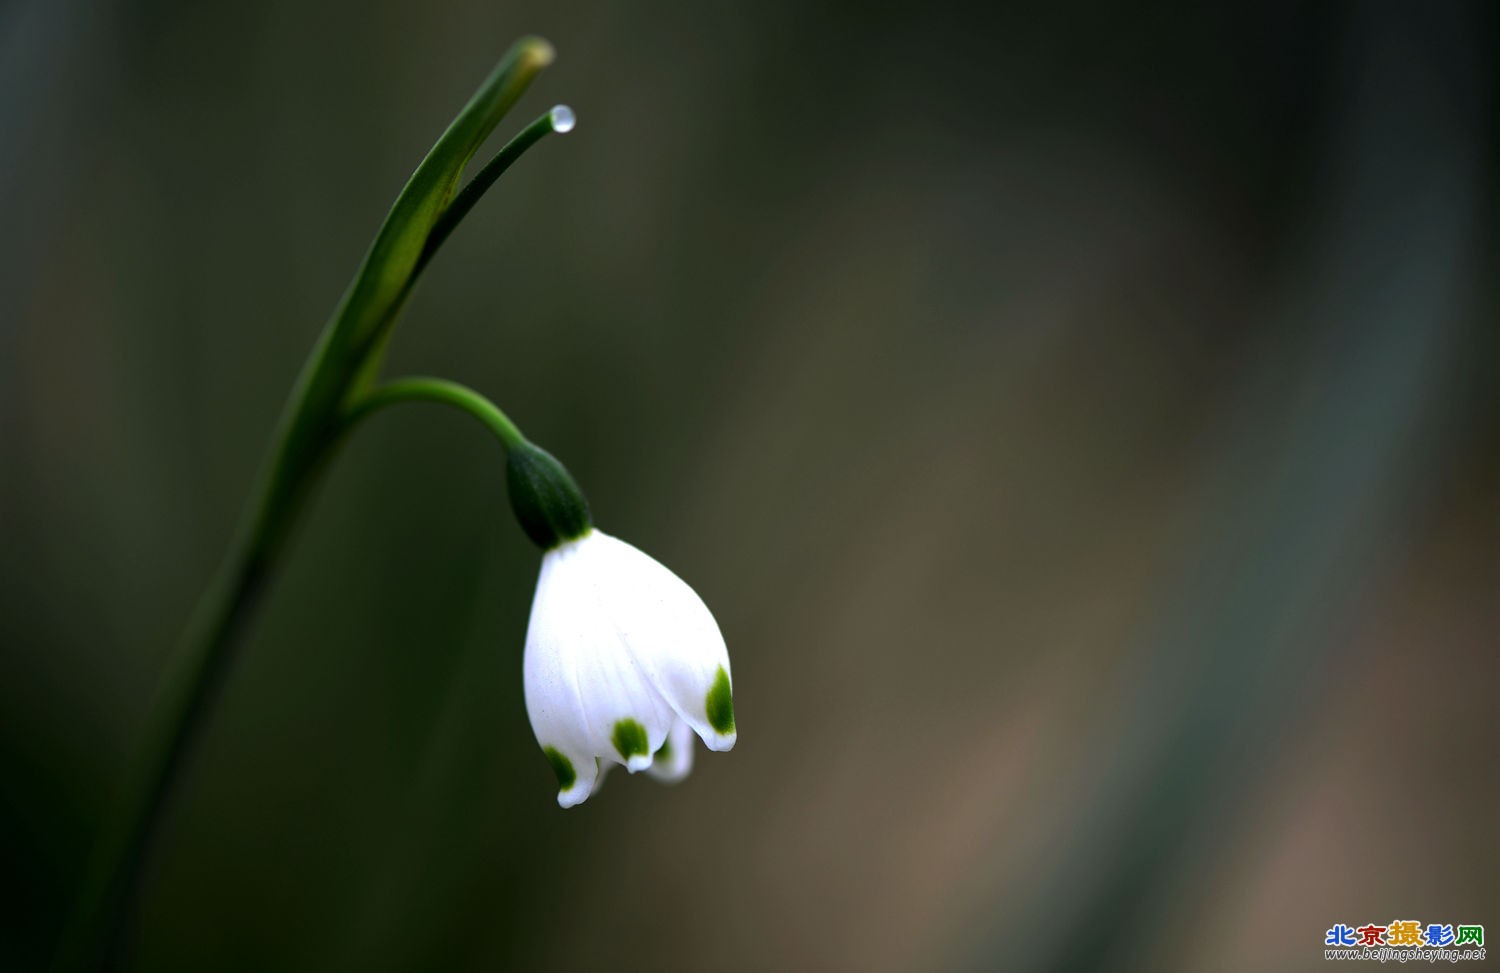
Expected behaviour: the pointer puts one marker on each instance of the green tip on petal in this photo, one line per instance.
(720, 704)
(630, 739)
(665, 753)
(562, 767)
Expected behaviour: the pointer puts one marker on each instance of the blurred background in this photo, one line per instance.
(1081, 420)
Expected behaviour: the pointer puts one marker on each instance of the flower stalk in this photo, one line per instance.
(336, 388)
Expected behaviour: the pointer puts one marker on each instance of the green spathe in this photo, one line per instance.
(546, 501)
(720, 704)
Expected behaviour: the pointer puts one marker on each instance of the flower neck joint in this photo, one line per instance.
(546, 501)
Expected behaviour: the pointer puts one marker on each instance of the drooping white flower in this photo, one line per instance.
(623, 664)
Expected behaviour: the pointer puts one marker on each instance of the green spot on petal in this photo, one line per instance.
(720, 704)
(665, 753)
(562, 767)
(630, 739)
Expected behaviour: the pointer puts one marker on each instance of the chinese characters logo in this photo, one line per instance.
(1406, 933)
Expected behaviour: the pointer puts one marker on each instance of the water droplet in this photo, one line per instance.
(562, 119)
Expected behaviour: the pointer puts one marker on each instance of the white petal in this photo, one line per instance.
(627, 718)
(586, 779)
(675, 759)
(552, 703)
(672, 636)
(585, 692)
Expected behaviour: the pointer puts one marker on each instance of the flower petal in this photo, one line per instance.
(672, 637)
(675, 758)
(576, 776)
(552, 702)
(578, 669)
(627, 718)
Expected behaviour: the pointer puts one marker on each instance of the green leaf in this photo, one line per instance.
(349, 350)
(346, 357)
(369, 307)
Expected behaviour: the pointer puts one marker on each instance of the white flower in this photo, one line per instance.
(622, 657)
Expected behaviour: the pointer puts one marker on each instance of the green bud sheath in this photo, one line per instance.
(547, 502)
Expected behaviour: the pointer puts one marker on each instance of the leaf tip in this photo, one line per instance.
(535, 52)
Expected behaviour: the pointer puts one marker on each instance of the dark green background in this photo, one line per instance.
(1080, 419)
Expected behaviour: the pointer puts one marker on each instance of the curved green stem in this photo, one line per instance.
(546, 500)
(423, 389)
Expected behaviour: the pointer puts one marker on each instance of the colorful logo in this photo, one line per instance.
(1409, 933)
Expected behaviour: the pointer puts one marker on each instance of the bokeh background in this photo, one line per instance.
(1081, 420)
